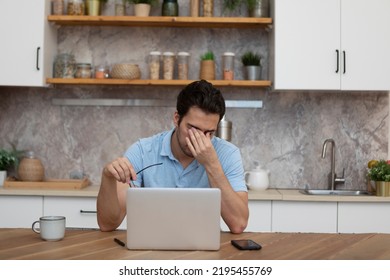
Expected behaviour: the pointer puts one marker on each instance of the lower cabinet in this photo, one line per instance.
(297, 216)
(20, 211)
(80, 212)
(363, 217)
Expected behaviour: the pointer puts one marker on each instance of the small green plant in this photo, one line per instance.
(251, 4)
(7, 159)
(207, 56)
(250, 58)
(231, 5)
(379, 171)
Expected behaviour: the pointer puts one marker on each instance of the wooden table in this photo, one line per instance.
(96, 245)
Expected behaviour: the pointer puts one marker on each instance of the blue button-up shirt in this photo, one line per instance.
(157, 149)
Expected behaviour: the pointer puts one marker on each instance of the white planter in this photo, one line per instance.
(142, 10)
(3, 176)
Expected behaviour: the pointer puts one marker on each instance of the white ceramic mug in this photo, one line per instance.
(51, 228)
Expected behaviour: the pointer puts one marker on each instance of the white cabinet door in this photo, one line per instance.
(80, 212)
(364, 217)
(296, 216)
(20, 211)
(331, 45)
(306, 36)
(259, 217)
(28, 42)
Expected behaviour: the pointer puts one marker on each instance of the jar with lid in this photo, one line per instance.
(64, 66)
(170, 8)
(120, 7)
(30, 168)
(57, 7)
(182, 65)
(208, 8)
(168, 65)
(102, 72)
(228, 66)
(76, 7)
(154, 65)
(84, 71)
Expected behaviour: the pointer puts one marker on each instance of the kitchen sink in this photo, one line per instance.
(336, 192)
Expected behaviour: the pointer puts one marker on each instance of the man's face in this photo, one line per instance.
(198, 119)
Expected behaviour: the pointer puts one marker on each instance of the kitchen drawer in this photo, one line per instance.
(80, 212)
(296, 216)
(20, 211)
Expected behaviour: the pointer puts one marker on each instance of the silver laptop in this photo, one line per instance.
(173, 218)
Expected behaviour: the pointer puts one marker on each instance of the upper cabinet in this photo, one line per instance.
(28, 43)
(330, 44)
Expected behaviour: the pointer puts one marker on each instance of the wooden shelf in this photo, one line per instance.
(159, 21)
(219, 83)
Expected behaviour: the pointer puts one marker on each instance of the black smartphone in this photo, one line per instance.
(246, 244)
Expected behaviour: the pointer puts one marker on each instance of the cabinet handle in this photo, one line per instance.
(87, 212)
(345, 62)
(337, 61)
(38, 49)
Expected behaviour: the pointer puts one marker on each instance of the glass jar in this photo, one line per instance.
(58, 7)
(170, 8)
(76, 7)
(84, 71)
(168, 65)
(154, 65)
(64, 66)
(208, 8)
(228, 66)
(194, 8)
(120, 8)
(102, 72)
(182, 65)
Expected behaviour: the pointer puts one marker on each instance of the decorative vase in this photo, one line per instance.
(93, 7)
(207, 70)
(31, 169)
(3, 176)
(252, 72)
(142, 10)
(260, 9)
(382, 188)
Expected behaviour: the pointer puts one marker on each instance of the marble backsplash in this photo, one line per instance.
(285, 136)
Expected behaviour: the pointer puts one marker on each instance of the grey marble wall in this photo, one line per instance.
(285, 136)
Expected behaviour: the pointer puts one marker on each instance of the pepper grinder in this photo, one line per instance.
(224, 130)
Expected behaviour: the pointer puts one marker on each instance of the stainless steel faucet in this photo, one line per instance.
(333, 179)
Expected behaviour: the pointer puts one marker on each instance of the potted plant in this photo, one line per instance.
(142, 7)
(379, 172)
(252, 66)
(257, 8)
(229, 6)
(207, 66)
(94, 7)
(7, 160)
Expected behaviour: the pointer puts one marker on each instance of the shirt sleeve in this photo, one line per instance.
(135, 155)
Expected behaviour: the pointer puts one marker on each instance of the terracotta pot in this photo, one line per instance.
(142, 10)
(207, 70)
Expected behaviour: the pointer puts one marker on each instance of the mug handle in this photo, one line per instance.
(35, 229)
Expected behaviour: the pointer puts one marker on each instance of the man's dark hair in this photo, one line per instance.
(203, 95)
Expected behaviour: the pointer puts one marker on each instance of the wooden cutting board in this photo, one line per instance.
(52, 184)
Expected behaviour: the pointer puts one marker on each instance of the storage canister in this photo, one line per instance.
(170, 8)
(182, 65)
(64, 66)
(154, 65)
(76, 7)
(168, 65)
(194, 8)
(84, 71)
(208, 8)
(228, 66)
(102, 72)
(58, 7)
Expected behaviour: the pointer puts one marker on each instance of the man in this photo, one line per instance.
(190, 156)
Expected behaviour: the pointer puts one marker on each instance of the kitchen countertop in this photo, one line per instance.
(269, 194)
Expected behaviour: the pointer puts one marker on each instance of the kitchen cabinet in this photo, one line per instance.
(297, 216)
(19, 211)
(330, 45)
(161, 22)
(363, 217)
(28, 43)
